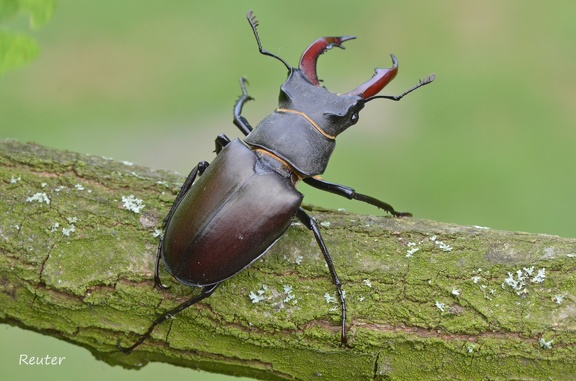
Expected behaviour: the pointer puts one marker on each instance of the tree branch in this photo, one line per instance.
(426, 300)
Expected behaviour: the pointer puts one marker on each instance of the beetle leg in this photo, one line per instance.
(239, 120)
(221, 142)
(197, 170)
(157, 281)
(311, 224)
(206, 292)
(351, 194)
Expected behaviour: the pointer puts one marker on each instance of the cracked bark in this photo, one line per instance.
(425, 299)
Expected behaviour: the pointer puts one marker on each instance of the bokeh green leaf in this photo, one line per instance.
(17, 49)
(40, 11)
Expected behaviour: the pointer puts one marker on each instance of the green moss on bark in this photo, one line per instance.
(425, 300)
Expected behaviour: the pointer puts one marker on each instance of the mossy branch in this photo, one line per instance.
(426, 300)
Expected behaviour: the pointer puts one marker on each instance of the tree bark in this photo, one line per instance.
(426, 300)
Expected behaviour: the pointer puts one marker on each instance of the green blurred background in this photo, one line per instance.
(491, 142)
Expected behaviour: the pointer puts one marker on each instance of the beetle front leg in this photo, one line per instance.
(197, 170)
(351, 194)
(311, 224)
(221, 141)
(239, 120)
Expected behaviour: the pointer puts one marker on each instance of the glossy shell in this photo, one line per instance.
(230, 216)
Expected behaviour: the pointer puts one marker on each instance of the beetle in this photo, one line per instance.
(230, 212)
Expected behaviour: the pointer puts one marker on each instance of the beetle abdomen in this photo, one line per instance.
(211, 236)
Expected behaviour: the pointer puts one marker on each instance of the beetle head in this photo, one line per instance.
(333, 113)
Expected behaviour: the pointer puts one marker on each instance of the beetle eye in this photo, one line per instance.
(354, 118)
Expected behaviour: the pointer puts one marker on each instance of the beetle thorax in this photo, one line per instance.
(302, 131)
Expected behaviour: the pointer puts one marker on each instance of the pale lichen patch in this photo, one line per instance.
(39, 197)
(132, 203)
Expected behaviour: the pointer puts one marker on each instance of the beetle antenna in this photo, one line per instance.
(421, 83)
(254, 23)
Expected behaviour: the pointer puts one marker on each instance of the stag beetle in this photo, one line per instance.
(229, 213)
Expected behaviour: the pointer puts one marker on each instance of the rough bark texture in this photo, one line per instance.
(426, 300)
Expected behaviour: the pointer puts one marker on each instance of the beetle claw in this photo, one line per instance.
(122, 349)
(161, 286)
(158, 282)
